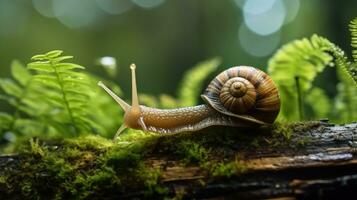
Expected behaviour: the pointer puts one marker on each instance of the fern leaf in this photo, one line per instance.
(10, 87)
(47, 80)
(353, 30)
(305, 59)
(68, 90)
(346, 99)
(53, 54)
(41, 66)
(345, 103)
(5, 121)
(353, 67)
(301, 58)
(20, 73)
(67, 66)
(193, 80)
(61, 58)
(319, 102)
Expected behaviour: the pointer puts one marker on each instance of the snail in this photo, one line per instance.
(239, 96)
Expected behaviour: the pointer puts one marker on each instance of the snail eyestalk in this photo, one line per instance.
(134, 91)
(120, 101)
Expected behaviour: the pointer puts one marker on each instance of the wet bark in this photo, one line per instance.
(324, 167)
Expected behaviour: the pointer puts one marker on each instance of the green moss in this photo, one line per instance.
(192, 152)
(227, 169)
(85, 167)
(92, 166)
(300, 127)
(36, 149)
(279, 129)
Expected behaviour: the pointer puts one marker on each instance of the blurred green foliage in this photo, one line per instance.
(57, 100)
(303, 60)
(53, 98)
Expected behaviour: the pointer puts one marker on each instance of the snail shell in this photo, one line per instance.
(244, 92)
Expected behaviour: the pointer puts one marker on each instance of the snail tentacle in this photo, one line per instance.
(120, 101)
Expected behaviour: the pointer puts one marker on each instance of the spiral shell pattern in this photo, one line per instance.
(244, 92)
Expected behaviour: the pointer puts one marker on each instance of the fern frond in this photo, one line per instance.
(319, 103)
(353, 30)
(10, 87)
(303, 58)
(5, 121)
(192, 82)
(68, 90)
(353, 68)
(345, 103)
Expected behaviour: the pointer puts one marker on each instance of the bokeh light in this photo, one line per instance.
(44, 7)
(74, 13)
(256, 7)
(115, 7)
(257, 45)
(109, 64)
(148, 3)
(266, 19)
(292, 8)
(259, 34)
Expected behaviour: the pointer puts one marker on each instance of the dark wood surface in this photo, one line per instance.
(323, 168)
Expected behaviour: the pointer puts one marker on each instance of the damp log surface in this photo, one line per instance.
(324, 167)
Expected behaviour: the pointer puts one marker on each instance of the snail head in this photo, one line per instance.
(132, 116)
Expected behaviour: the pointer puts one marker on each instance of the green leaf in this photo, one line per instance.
(54, 54)
(353, 30)
(42, 66)
(148, 100)
(20, 73)
(61, 58)
(75, 92)
(11, 88)
(67, 66)
(5, 120)
(303, 59)
(346, 99)
(193, 80)
(56, 101)
(39, 57)
(66, 92)
(167, 101)
(48, 80)
(319, 103)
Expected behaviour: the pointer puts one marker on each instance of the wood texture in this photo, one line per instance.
(325, 167)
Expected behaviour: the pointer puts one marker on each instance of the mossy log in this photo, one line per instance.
(323, 168)
(317, 161)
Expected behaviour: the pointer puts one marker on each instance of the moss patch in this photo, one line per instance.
(95, 167)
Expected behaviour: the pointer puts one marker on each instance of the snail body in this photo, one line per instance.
(239, 96)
